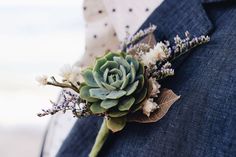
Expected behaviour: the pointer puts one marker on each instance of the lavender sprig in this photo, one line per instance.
(184, 45)
(165, 71)
(69, 101)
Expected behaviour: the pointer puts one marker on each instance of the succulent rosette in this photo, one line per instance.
(115, 85)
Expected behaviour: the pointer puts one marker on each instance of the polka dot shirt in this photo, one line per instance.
(109, 21)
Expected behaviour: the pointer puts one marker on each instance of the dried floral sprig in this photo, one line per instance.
(165, 71)
(69, 101)
(71, 77)
(186, 44)
(70, 85)
(157, 67)
(130, 40)
(140, 47)
(71, 74)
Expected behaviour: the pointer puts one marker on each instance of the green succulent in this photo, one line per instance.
(115, 85)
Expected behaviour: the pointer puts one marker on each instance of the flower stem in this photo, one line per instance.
(62, 85)
(100, 139)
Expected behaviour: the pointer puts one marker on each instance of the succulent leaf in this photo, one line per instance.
(99, 93)
(131, 88)
(116, 94)
(122, 68)
(130, 59)
(116, 124)
(140, 96)
(133, 73)
(88, 78)
(98, 79)
(116, 71)
(105, 75)
(111, 79)
(109, 103)
(125, 104)
(141, 83)
(108, 87)
(96, 108)
(110, 65)
(123, 62)
(141, 69)
(85, 94)
(99, 62)
(109, 56)
(117, 113)
(117, 84)
(125, 81)
(117, 77)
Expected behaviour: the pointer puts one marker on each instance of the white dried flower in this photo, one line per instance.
(70, 74)
(155, 87)
(42, 80)
(149, 106)
(82, 106)
(155, 54)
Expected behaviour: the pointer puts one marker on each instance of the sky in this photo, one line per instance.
(36, 37)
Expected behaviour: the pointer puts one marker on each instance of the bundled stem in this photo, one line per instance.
(100, 139)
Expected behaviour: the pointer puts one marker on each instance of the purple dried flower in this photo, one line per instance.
(68, 101)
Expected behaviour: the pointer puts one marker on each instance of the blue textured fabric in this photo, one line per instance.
(203, 122)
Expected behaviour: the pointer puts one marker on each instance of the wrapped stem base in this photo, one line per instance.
(100, 139)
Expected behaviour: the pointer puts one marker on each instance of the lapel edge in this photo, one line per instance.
(174, 17)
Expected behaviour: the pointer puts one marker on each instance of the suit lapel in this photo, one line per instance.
(174, 17)
(177, 16)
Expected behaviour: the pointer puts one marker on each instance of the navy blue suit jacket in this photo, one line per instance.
(203, 122)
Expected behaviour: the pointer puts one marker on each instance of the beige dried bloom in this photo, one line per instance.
(71, 74)
(154, 55)
(155, 87)
(42, 80)
(149, 106)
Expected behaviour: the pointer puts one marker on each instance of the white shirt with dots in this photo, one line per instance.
(109, 21)
(107, 24)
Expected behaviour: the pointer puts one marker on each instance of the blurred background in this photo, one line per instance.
(36, 37)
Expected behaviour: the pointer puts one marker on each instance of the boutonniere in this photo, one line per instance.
(123, 86)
